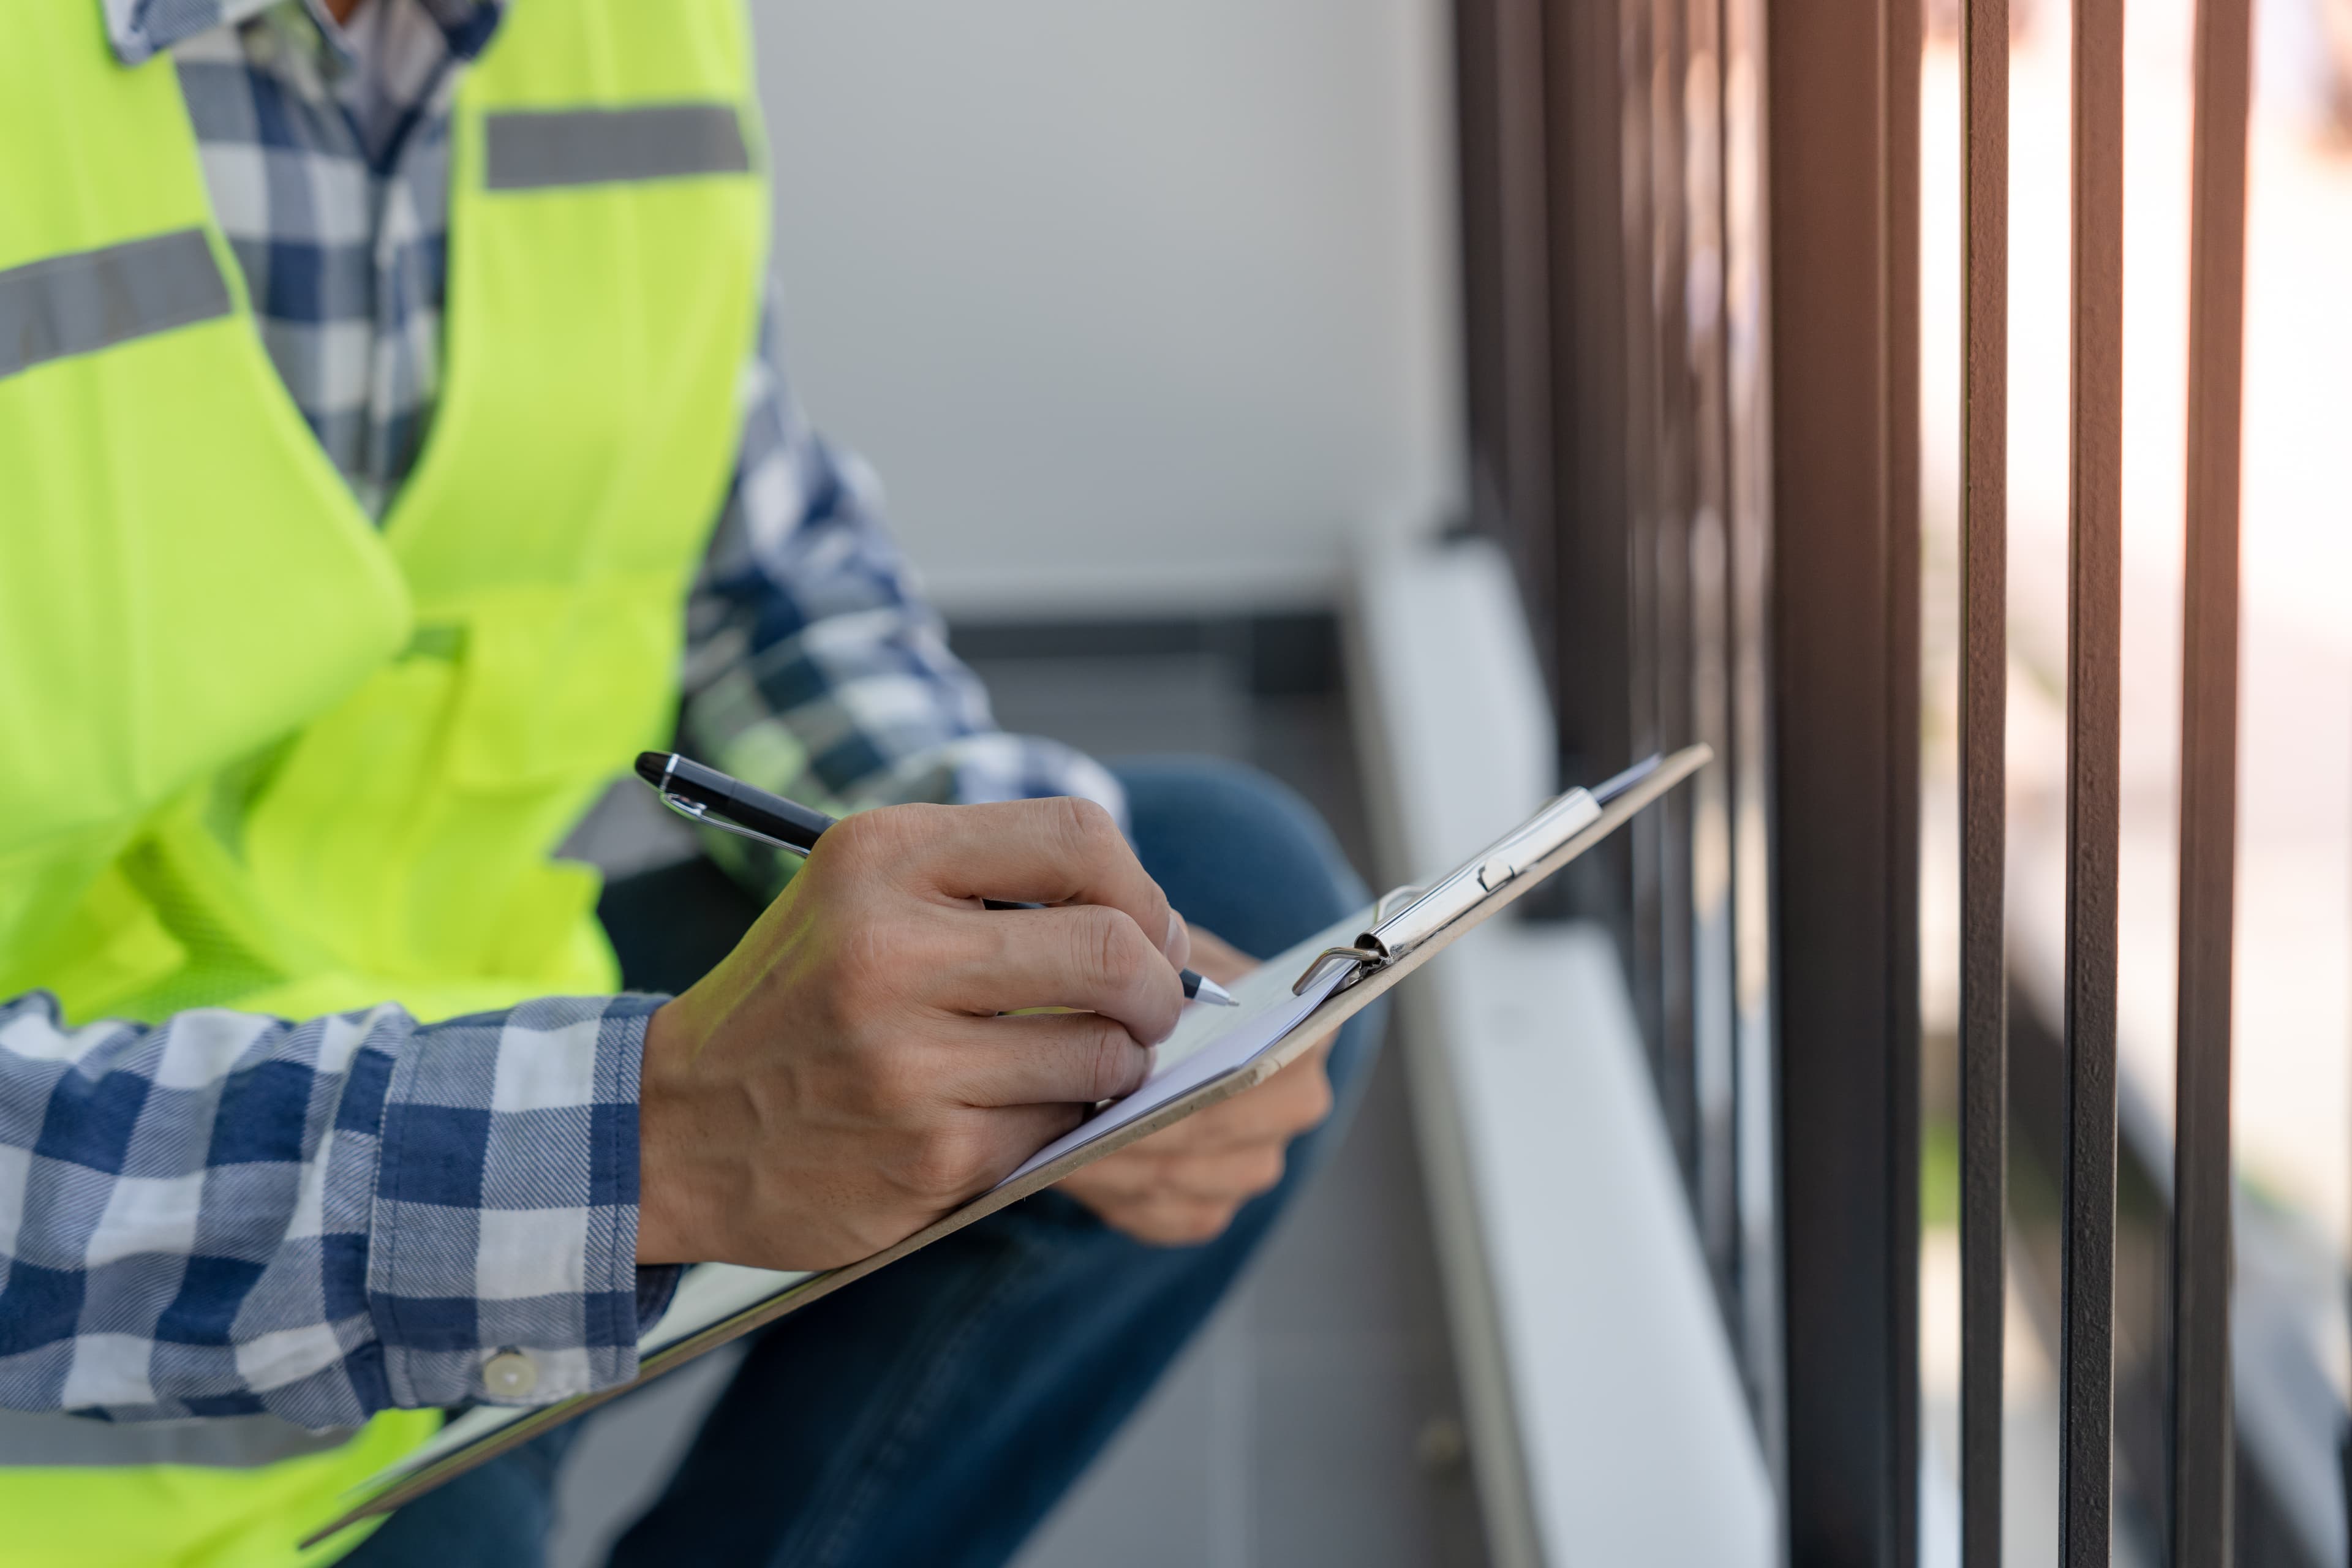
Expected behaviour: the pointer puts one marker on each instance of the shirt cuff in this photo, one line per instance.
(503, 1268)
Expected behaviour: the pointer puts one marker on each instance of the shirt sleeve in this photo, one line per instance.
(815, 669)
(226, 1213)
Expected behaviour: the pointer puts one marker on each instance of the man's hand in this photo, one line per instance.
(1183, 1185)
(843, 1078)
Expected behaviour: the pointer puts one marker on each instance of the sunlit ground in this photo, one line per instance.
(2294, 1091)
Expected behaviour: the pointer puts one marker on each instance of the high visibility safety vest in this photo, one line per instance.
(257, 751)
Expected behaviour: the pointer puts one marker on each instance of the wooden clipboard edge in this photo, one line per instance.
(1335, 1010)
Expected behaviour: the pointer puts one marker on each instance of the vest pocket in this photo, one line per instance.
(565, 682)
(414, 825)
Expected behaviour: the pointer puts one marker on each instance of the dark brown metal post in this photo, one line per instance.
(1597, 661)
(1843, 127)
(1903, 47)
(1507, 288)
(1984, 828)
(1645, 501)
(2201, 1418)
(2086, 1351)
(1591, 673)
(1713, 1050)
(1662, 840)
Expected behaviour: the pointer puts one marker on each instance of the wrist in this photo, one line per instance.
(665, 1231)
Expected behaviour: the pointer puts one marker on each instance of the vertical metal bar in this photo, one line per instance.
(2201, 1446)
(1843, 132)
(1904, 47)
(2093, 765)
(1644, 502)
(1984, 828)
(1506, 267)
(1750, 767)
(1592, 431)
(1707, 567)
(1647, 504)
(1667, 832)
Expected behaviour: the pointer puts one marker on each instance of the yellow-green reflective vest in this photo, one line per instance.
(257, 751)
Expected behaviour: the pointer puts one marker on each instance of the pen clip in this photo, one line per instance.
(696, 812)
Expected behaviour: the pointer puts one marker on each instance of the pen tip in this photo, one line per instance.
(1214, 994)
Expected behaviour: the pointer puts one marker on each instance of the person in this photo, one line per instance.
(392, 443)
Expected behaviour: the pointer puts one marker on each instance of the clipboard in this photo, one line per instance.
(1329, 978)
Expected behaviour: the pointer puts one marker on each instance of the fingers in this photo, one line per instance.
(1047, 1059)
(1288, 1104)
(1013, 1133)
(1183, 1185)
(1063, 851)
(1171, 1221)
(1083, 955)
(1229, 1177)
(1180, 943)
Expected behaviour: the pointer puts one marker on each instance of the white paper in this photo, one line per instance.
(1208, 1044)
(711, 1293)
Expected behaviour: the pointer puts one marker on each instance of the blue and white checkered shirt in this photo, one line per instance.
(229, 1214)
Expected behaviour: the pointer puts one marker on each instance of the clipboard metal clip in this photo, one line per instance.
(1369, 955)
(1364, 959)
(1411, 916)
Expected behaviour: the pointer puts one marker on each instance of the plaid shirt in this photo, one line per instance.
(228, 1214)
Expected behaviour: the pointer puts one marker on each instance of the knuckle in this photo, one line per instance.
(879, 844)
(1315, 1100)
(1065, 824)
(1114, 1064)
(884, 957)
(1088, 827)
(1102, 956)
(993, 945)
(941, 1166)
(1262, 1172)
(925, 942)
(894, 1088)
(857, 841)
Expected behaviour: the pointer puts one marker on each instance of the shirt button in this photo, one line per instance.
(509, 1374)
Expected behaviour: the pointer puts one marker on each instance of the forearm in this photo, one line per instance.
(228, 1213)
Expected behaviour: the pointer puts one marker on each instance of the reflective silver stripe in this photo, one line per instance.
(531, 149)
(92, 300)
(216, 1443)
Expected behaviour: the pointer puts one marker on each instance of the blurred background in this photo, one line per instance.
(1380, 391)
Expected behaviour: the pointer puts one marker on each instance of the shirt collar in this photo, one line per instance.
(141, 29)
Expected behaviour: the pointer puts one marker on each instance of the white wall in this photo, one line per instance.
(1135, 304)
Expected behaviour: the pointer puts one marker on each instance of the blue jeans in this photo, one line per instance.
(933, 1412)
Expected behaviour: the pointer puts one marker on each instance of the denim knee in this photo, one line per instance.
(1240, 854)
(1237, 851)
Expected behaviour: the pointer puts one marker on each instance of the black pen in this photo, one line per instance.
(708, 796)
